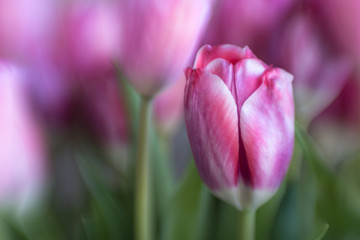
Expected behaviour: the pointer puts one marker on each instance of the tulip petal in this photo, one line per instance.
(212, 126)
(267, 129)
(229, 52)
(224, 70)
(247, 79)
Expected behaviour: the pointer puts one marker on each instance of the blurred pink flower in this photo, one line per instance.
(169, 107)
(103, 111)
(22, 153)
(244, 22)
(90, 38)
(25, 26)
(75, 77)
(341, 120)
(342, 17)
(239, 115)
(320, 73)
(159, 38)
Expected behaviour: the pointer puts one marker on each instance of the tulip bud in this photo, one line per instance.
(21, 147)
(159, 38)
(239, 115)
(90, 37)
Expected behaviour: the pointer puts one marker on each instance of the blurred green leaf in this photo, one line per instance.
(110, 208)
(162, 180)
(131, 98)
(322, 232)
(265, 215)
(227, 223)
(313, 155)
(187, 209)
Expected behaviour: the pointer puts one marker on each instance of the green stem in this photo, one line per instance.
(247, 224)
(143, 229)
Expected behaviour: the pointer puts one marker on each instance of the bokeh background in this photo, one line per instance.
(68, 115)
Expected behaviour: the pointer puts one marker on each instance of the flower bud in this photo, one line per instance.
(159, 38)
(239, 115)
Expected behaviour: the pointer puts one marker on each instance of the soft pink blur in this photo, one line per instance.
(342, 18)
(22, 150)
(244, 22)
(159, 38)
(320, 72)
(25, 27)
(341, 120)
(75, 76)
(169, 107)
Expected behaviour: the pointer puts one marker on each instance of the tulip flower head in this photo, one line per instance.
(159, 39)
(239, 115)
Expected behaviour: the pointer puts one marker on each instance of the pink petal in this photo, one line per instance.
(247, 79)
(212, 126)
(267, 128)
(224, 70)
(229, 52)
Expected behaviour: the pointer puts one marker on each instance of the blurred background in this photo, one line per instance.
(68, 115)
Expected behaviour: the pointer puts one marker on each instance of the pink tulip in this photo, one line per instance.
(76, 77)
(239, 115)
(320, 73)
(89, 38)
(159, 38)
(22, 153)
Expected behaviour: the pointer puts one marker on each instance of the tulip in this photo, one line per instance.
(159, 38)
(239, 115)
(90, 37)
(320, 73)
(22, 155)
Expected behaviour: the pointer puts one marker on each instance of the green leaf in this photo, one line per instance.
(161, 173)
(266, 214)
(322, 231)
(187, 210)
(109, 207)
(313, 155)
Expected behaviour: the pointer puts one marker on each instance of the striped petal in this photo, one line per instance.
(267, 129)
(229, 52)
(224, 70)
(248, 74)
(212, 126)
